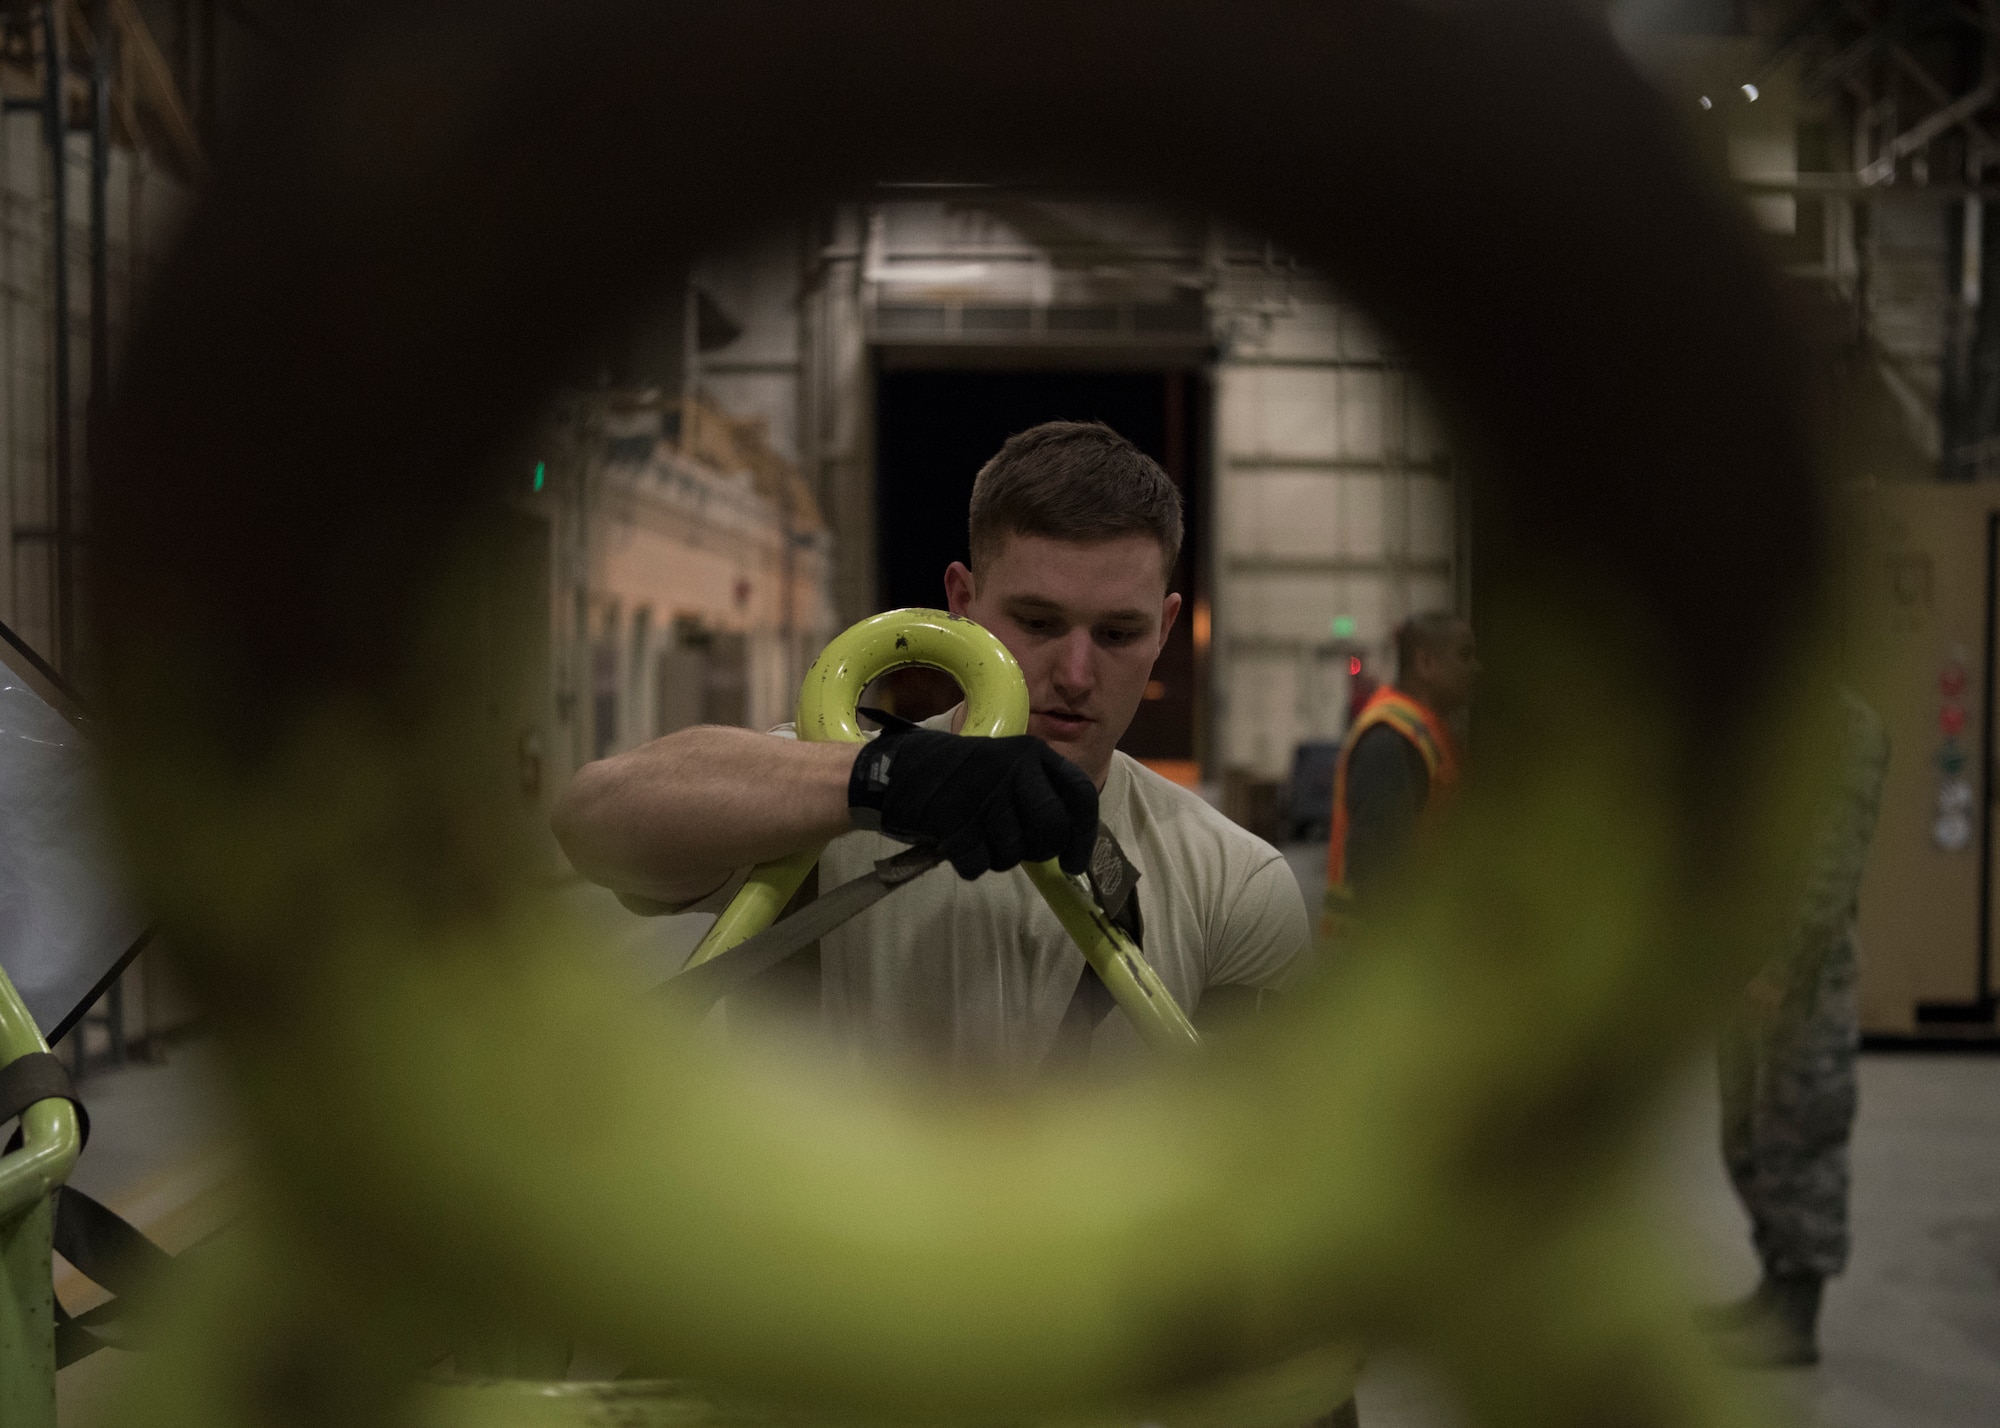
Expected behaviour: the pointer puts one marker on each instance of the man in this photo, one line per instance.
(1787, 1074)
(1074, 533)
(1399, 762)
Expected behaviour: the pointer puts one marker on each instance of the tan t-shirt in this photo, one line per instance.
(977, 975)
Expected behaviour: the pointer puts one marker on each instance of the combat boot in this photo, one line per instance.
(1784, 1332)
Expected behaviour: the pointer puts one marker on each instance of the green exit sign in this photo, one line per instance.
(1343, 627)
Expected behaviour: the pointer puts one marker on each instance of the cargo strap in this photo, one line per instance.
(1112, 878)
(38, 1076)
(105, 1248)
(701, 987)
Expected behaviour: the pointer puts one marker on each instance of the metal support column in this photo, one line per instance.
(100, 213)
(104, 39)
(27, 1320)
(208, 98)
(55, 121)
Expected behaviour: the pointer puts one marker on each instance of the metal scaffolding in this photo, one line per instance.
(121, 94)
(1899, 142)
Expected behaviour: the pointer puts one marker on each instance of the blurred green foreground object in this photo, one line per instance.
(466, 1121)
(29, 1176)
(996, 706)
(1289, 1397)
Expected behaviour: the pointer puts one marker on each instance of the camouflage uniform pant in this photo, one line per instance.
(1788, 1097)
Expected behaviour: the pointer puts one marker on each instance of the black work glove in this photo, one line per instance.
(985, 804)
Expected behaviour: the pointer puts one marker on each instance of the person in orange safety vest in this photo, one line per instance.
(1399, 762)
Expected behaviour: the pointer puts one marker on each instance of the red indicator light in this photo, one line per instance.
(1354, 664)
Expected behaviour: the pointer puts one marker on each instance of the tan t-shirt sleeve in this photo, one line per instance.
(1265, 937)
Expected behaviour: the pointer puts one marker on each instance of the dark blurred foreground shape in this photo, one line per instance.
(692, 567)
(302, 759)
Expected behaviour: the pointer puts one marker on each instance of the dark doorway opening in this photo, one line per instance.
(936, 428)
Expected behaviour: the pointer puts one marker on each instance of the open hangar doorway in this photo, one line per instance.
(936, 426)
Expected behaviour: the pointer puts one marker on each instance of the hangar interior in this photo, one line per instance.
(883, 346)
(781, 441)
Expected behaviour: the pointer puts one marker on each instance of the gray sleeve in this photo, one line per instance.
(1387, 784)
(1264, 936)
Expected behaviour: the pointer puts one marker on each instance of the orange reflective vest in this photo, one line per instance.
(1433, 742)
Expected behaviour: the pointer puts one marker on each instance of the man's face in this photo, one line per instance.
(1086, 620)
(1451, 671)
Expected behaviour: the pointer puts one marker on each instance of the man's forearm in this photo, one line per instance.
(669, 822)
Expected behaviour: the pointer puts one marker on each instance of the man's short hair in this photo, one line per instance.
(1426, 631)
(1073, 480)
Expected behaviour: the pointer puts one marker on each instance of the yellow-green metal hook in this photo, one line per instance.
(996, 705)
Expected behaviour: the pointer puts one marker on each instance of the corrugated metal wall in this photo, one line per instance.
(1336, 511)
(145, 205)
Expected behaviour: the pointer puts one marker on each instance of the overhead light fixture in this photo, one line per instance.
(1750, 92)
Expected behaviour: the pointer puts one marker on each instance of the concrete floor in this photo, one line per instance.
(1911, 1333)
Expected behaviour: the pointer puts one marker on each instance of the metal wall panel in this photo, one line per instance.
(144, 211)
(1336, 515)
(1298, 609)
(1290, 512)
